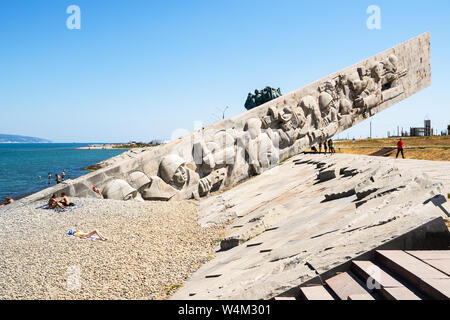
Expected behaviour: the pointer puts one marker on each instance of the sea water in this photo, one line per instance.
(24, 167)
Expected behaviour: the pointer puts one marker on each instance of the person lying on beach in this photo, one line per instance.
(65, 201)
(8, 200)
(80, 234)
(53, 203)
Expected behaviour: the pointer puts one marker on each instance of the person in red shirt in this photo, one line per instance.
(400, 148)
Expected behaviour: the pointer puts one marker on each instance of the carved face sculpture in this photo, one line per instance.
(253, 126)
(173, 170)
(328, 86)
(180, 176)
(343, 80)
(392, 63)
(325, 102)
(377, 71)
(356, 86)
(285, 115)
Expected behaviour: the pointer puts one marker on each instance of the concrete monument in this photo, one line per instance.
(234, 149)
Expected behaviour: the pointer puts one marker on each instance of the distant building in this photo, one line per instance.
(426, 131)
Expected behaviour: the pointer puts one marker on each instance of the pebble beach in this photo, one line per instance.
(152, 248)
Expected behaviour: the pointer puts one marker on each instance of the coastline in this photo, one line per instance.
(98, 147)
(25, 165)
(109, 146)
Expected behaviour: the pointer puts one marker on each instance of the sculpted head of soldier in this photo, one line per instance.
(173, 170)
(356, 86)
(377, 71)
(253, 126)
(325, 102)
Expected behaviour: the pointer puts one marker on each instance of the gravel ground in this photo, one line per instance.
(153, 248)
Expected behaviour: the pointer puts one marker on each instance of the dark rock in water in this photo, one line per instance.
(261, 96)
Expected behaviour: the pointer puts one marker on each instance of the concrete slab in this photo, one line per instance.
(389, 287)
(365, 296)
(442, 265)
(430, 281)
(430, 254)
(405, 264)
(378, 277)
(343, 285)
(399, 293)
(315, 293)
(441, 288)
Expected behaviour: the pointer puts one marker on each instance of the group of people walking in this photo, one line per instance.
(328, 146)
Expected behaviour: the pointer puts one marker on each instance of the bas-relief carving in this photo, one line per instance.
(223, 157)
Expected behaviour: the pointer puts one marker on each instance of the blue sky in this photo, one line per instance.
(138, 70)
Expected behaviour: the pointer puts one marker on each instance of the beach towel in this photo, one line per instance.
(46, 207)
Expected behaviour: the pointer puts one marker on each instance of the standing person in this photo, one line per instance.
(58, 178)
(325, 146)
(331, 146)
(320, 147)
(63, 174)
(400, 146)
(49, 178)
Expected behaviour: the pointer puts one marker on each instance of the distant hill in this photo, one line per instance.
(9, 138)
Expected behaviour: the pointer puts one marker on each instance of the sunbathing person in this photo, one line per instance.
(53, 203)
(80, 234)
(8, 200)
(65, 201)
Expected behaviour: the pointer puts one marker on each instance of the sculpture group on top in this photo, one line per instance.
(219, 156)
(261, 96)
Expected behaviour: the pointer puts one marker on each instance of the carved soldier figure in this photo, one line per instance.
(312, 111)
(250, 103)
(119, 189)
(259, 147)
(215, 154)
(291, 123)
(343, 92)
(327, 108)
(366, 91)
(176, 181)
(391, 74)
